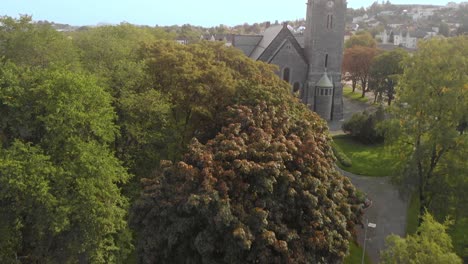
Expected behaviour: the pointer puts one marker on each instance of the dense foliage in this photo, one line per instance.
(58, 177)
(85, 115)
(428, 129)
(364, 126)
(264, 190)
(384, 73)
(431, 244)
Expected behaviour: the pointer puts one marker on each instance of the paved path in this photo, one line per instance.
(388, 211)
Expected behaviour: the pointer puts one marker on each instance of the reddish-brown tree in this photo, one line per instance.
(356, 65)
(264, 190)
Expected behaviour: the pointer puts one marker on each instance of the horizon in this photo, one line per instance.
(205, 13)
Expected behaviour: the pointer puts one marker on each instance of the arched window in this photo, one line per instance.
(286, 74)
(296, 87)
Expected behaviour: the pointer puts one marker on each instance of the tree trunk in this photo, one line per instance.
(363, 89)
(353, 81)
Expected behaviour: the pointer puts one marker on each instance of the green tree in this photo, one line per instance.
(264, 190)
(384, 73)
(28, 44)
(363, 39)
(56, 129)
(200, 80)
(430, 245)
(428, 128)
(444, 29)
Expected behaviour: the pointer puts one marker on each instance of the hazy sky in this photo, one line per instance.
(169, 12)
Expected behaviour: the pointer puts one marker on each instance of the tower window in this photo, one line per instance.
(286, 74)
(329, 21)
(326, 60)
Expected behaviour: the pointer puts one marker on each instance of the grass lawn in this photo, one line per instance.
(355, 255)
(348, 93)
(368, 160)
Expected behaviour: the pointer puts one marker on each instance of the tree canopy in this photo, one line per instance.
(263, 190)
(428, 128)
(430, 245)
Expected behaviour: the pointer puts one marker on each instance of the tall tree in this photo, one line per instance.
(357, 64)
(430, 116)
(60, 194)
(384, 72)
(264, 190)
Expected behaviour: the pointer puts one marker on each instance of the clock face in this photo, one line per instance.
(330, 4)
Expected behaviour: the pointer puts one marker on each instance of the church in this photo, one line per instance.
(310, 62)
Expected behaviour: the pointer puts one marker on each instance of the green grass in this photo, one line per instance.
(355, 255)
(348, 93)
(369, 160)
(412, 215)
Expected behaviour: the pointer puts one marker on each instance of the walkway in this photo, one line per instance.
(388, 212)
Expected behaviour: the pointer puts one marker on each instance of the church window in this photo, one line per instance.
(286, 74)
(321, 92)
(328, 21)
(326, 60)
(331, 21)
(296, 87)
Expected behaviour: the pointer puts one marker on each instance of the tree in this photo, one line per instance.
(200, 80)
(429, 113)
(444, 29)
(363, 126)
(384, 72)
(264, 190)
(59, 181)
(357, 62)
(363, 39)
(35, 45)
(431, 244)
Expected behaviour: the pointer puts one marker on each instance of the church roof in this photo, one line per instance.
(268, 36)
(324, 82)
(246, 43)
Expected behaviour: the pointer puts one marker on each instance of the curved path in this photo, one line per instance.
(388, 212)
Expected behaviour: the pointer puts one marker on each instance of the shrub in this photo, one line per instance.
(363, 126)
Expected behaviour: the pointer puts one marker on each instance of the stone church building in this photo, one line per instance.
(310, 62)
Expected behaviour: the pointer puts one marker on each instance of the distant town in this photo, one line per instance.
(391, 25)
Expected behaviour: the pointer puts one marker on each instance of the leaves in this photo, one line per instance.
(261, 190)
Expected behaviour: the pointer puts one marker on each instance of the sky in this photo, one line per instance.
(170, 12)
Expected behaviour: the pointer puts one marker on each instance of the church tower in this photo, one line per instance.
(324, 37)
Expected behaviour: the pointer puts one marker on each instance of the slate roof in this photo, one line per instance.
(268, 36)
(300, 39)
(324, 82)
(246, 43)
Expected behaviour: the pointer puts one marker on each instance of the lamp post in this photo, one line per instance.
(365, 238)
